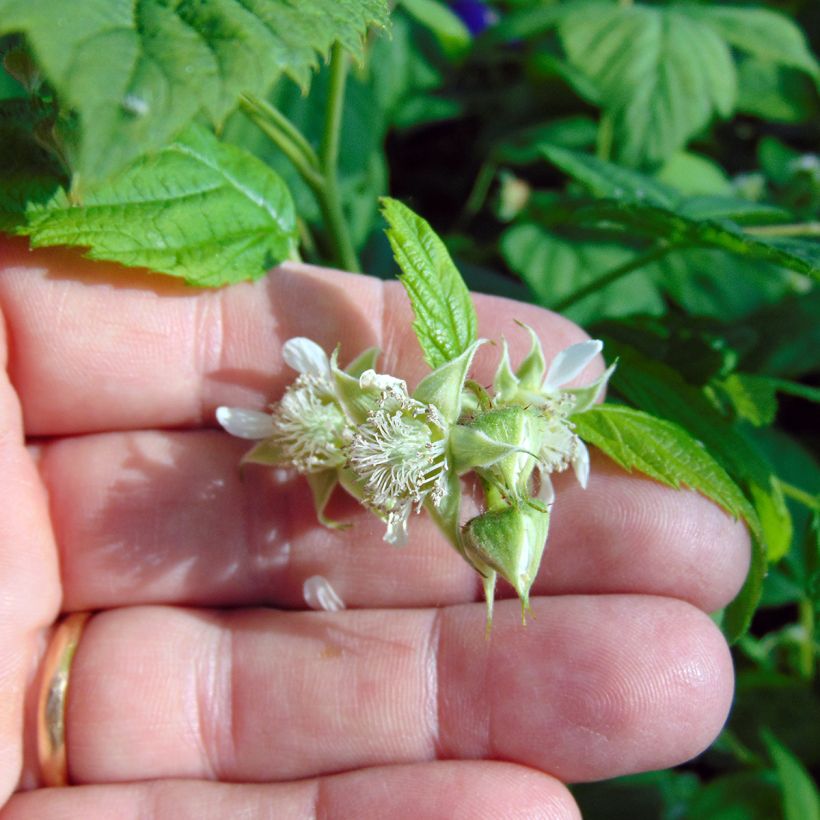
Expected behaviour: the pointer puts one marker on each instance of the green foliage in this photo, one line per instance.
(250, 225)
(445, 317)
(164, 64)
(663, 451)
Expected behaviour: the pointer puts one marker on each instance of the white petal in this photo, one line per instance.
(546, 493)
(570, 362)
(370, 379)
(396, 533)
(306, 357)
(319, 594)
(245, 423)
(580, 463)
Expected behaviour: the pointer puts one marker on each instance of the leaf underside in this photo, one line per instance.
(163, 63)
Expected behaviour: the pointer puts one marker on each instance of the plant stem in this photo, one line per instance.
(613, 275)
(801, 496)
(805, 607)
(603, 148)
(272, 124)
(797, 229)
(329, 199)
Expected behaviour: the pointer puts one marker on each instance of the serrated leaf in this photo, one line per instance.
(205, 211)
(638, 209)
(762, 32)
(663, 451)
(138, 72)
(445, 323)
(662, 73)
(554, 268)
(611, 181)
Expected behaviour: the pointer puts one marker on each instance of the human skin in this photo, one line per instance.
(202, 686)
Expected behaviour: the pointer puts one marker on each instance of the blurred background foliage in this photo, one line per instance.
(651, 170)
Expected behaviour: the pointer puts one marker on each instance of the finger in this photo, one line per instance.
(592, 687)
(28, 572)
(428, 791)
(146, 517)
(100, 347)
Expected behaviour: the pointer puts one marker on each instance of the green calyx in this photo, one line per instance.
(510, 541)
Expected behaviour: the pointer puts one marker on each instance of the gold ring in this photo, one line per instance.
(51, 749)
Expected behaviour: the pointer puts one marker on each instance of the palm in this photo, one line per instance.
(126, 503)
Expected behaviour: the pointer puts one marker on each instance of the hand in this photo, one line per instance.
(188, 699)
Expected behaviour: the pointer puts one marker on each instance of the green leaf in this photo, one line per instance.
(611, 181)
(637, 219)
(801, 800)
(452, 34)
(748, 795)
(762, 32)
(199, 209)
(661, 72)
(693, 175)
(554, 268)
(445, 323)
(753, 397)
(663, 451)
(138, 72)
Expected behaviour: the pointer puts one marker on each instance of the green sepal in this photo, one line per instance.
(471, 448)
(355, 402)
(443, 387)
(266, 452)
(505, 382)
(364, 361)
(586, 397)
(446, 514)
(531, 371)
(322, 485)
(523, 430)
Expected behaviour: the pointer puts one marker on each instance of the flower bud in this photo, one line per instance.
(511, 541)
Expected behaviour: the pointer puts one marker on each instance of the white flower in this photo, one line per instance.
(307, 428)
(399, 454)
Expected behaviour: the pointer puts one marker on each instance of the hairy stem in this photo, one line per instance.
(614, 275)
(797, 229)
(281, 131)
(806, 619)
(329, 198)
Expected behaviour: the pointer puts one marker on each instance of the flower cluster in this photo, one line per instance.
(397, 452)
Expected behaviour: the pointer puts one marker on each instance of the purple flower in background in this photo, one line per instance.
(475, 14)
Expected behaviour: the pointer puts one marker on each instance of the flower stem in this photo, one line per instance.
(614, 275)
(329, 199)
(798, 229)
